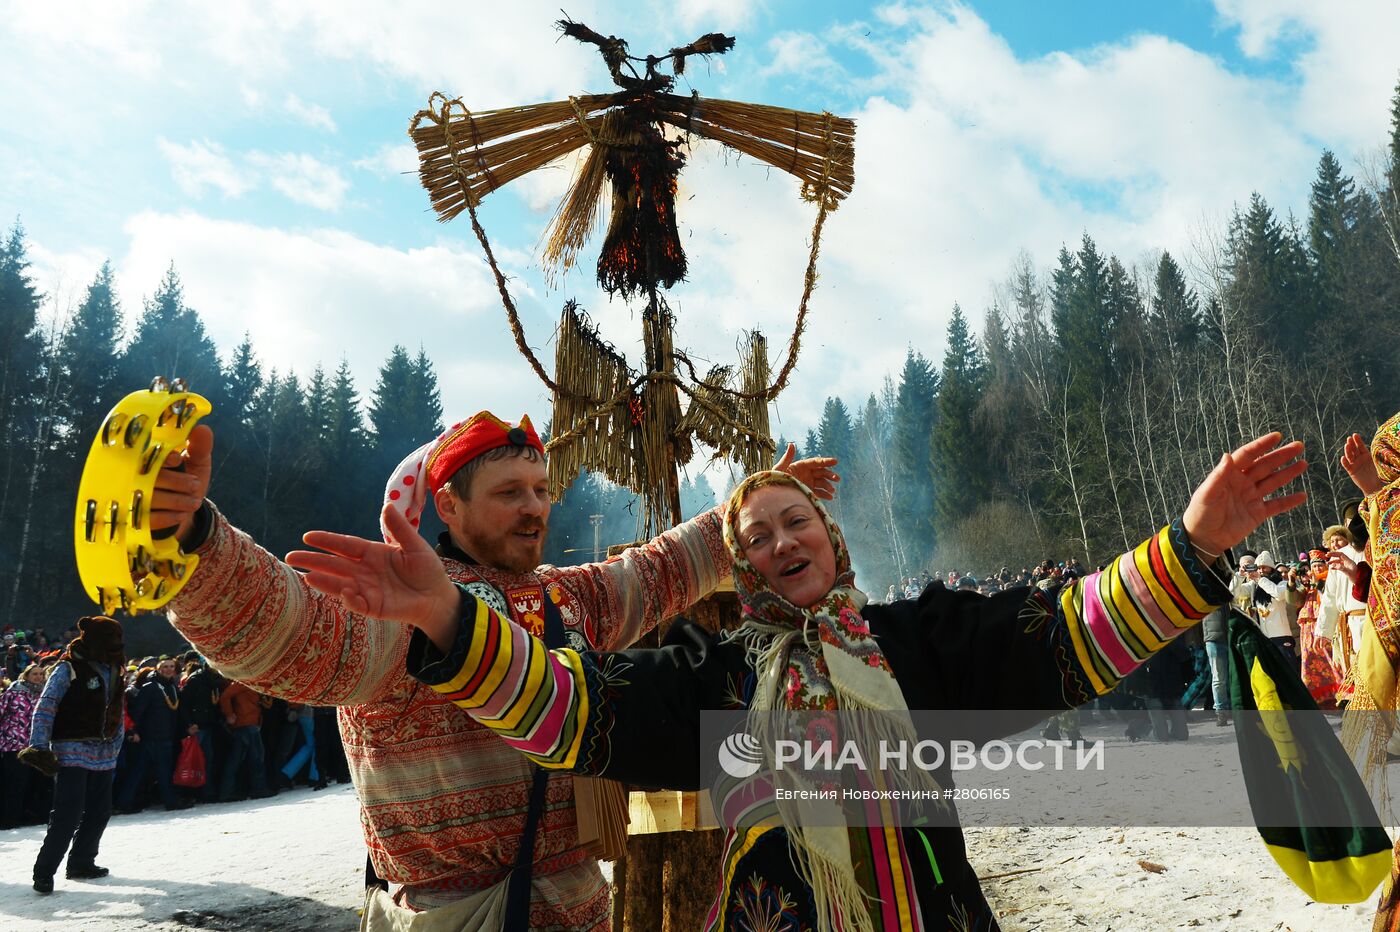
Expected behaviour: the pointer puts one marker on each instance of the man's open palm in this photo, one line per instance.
(401, 581)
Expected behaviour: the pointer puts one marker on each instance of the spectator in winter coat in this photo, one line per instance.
(1242, 586)
(76, 733)
(155, 709)
(242, 710)
(200, 716)
(1271, 594)
(16, 713)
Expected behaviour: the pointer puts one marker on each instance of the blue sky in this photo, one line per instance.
(261, 148)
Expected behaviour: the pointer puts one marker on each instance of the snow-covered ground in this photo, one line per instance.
(296, 863)
(1090, 880)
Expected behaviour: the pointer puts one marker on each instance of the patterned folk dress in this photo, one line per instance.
(1319, 668)
(634, 715)
(442, 799)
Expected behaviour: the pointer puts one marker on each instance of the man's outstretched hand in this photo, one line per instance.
(1234, 499)
(815, 472)
(401, 581)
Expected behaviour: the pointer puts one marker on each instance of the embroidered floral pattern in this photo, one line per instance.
(760, 906)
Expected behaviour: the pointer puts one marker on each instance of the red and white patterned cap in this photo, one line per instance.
(429, 467)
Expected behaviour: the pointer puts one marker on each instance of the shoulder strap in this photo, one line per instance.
(517, 917)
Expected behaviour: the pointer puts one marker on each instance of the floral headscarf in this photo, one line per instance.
(1385, 450)
(821, 658)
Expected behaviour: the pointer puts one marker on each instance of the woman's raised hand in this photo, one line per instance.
(1357, 461)
(1235, 498)
(815, 472)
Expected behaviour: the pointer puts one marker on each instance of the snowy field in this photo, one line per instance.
(296, 863)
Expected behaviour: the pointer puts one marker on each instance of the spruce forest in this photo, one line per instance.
(1070, 418)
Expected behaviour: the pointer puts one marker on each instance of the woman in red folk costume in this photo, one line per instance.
(1319, 669)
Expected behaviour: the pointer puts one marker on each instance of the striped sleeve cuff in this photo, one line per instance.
(506, 679)
(1118, 618)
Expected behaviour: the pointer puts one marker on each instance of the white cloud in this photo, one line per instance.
(303, 178)
(975, 154)
(967, 153)
(96, 30)
(802, 54)
(313, 115)
(63, 278)
(309, 297)
(715, 15)
(390, 159)
(203, 164)
(451, 48)
(1347, 66)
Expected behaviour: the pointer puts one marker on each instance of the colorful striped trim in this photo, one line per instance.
(535, 699)
(1118, 618)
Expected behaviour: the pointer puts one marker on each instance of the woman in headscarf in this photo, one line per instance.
(1366, 730)
(810, 642)
(1376, 472)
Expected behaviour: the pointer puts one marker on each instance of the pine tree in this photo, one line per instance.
(1084, 321)
(1174, 311)
(697, 496)
(1301, 294)
(959, 463)
(427, 398)
(915, 410)
(170, 342)
(1392, 168)
(867, 485)
(405, 410)
(570, 538)
(393, 417)
(1001, 409)
(21, 364)
(835, 437)
(237, 445)
(1258, 268)
(244, 379)
(82, 378)
(1332, 218)
(1125, 316)
(88, 362)
(318, 403)
(347, 503)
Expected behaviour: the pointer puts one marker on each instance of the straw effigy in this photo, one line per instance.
(594, 424)
(734, 423)
(464, 156)
(606, 418)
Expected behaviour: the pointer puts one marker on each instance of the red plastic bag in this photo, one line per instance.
(189, 767)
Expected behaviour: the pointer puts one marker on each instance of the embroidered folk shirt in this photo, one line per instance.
(442, 799)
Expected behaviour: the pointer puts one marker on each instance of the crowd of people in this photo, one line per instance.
(251, 745)
(531, 654)
(1047, 575)
(1313, 608)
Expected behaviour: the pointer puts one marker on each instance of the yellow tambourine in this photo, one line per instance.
(122, 565)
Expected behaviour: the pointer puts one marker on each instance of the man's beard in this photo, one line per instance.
(503, 551)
